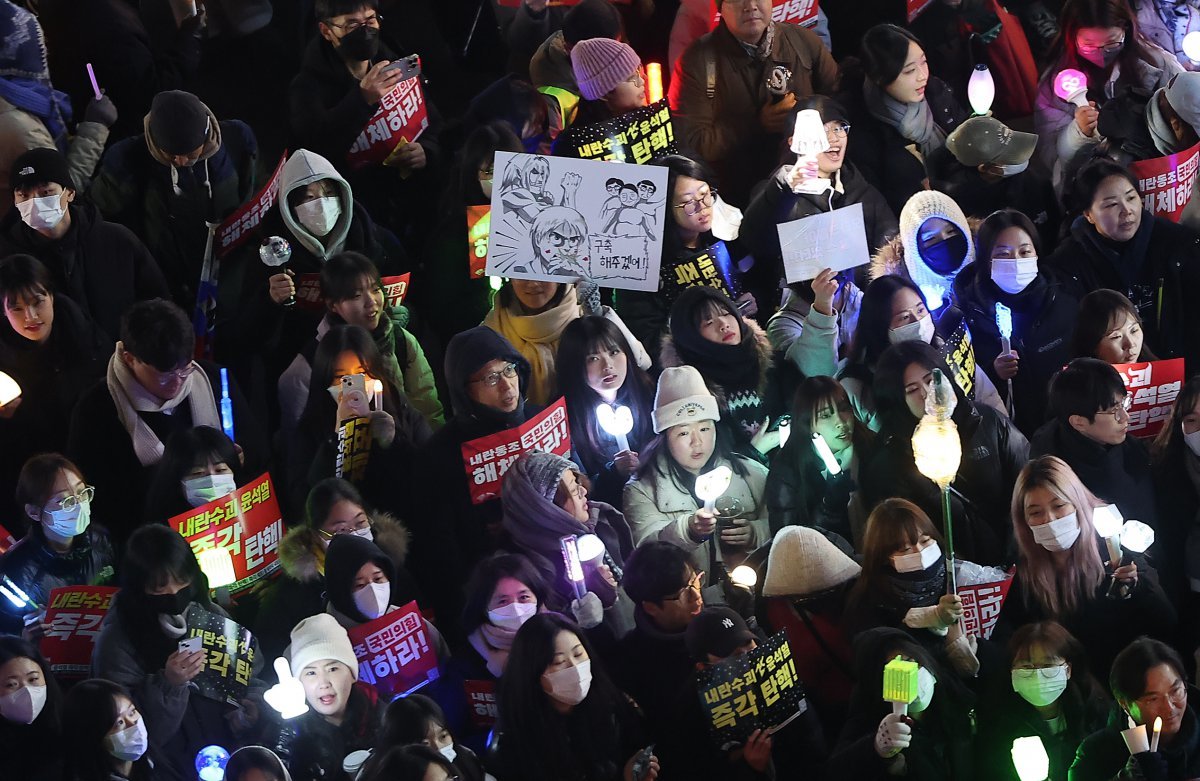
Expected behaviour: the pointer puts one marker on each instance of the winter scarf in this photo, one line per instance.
(733, 367)
(535, 337)
(131, 398)
(212, 145)
(918, 589)
(1126, 258)
(914, 121)
(493, 643)
(25, 75)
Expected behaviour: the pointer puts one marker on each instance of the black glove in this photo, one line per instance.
(101, 111)
(1149, 765)
(837, 494)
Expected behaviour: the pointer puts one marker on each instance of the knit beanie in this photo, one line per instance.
(600, 64)
(591, 19)
(682, 397)
(542, 471)
(178, 122)
(346, 555)
(321, 637)
(804, 562)
(923, 206)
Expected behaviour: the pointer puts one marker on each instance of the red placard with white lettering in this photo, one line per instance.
(481, 702)
(394, 652)
(916, 8)
(981, 606)
(479, 225)
(401, 119)
(801, 12)
(487, 459)
(247, 523)
(238, 226)
(308, 291)
(1155, 385)
(6, 539)
(74, 615)
(1166, 183)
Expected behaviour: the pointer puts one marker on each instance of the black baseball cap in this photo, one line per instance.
(717, 630)
(40, 166)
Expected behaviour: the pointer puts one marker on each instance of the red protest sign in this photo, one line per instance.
(916, 8)
(487, 459)
(247, 523)
(1155, 386)
(1166, 183)
(395, 289)
(479, 225)
(74, 615)
(6, 540)
(401, 118)
(801, 12)
(237, 226)
(308, 291)
(481, 703)
(394, 653)
(981, 606)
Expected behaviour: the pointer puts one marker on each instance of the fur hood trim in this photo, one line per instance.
(302, 551)
(669, 356)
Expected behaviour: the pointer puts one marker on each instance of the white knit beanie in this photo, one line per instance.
(803, 562)
(924, 205)
(682, 397)
(321, 637)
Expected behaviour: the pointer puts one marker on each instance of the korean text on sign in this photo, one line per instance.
(487, 459)
(394, 653)
(1153, 386)
(981, 606)
(481, 702)
(229, 652)
(638, 136)
(247, 523)
(353, 449)
(758, 690)
(74, 615)
(801, 12)
(238, 226)
(401, 118)
(1166, 183)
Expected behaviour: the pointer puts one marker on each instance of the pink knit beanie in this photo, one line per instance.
(600, 64)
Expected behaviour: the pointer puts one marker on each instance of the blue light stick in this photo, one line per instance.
(1004, 323)
(226, 406)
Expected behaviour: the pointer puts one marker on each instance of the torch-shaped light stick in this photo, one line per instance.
(617, 421)
(937, 453)
(1004, 324)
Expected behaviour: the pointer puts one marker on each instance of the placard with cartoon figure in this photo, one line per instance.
(559, 220)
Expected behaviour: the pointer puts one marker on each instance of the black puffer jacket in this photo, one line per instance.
(319, 746)
(1043, 317)
(38, 569)
(1103, 755)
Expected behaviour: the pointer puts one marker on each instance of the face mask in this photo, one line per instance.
(171, 604)
(512, 615)
(1057, 535)
(1013, 276)
(42, 214)
(372, 599)
(67, 524)
(922, 330)
(945, 256)
(1010, 170)
(919, 561)
(207, 488)
(129, 744)
(570, 686)
(486, 186)
(1192, 441)
(318, 217)
(925, 684)
(23, 705)
(449, 753)
(360, 44)
(1040, 687)
(366, 534)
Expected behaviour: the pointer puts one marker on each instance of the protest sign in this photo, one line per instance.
(237, 227)
(801, 12)
(309, 299)
(401, 119)
(637, 136)
(916, 8)
(1155, 385)
(757, 690)
(479, 225)
(247, 523)
(353, 449)
(559, 219)
(959, 353)
(1166, 183)
(394, 653)
(6, 540)
(835, 239)
(487, 459)
(710, 266)
(481, 703)
(74, 615)
(981, 606)
(229, 655)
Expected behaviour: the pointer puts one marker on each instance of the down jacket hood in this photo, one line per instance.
(302, 552)
(302, 169)
(669, 355)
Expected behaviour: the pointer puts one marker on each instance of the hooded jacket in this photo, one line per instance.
(38, 569)
(1103, 755)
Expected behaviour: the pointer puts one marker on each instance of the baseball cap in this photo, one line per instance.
(40, 166)
(717, 630)
(987, 140)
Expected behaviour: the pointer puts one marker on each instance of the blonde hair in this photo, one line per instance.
(1057, 590)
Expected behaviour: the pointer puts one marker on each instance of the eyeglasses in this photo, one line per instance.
(164, 378)
(371, 21)
(346, 528)
(71, 501)
(638, 78)
(837, 129)
(1121, 406)
(1177, 695)
(1030, 673)
(492, 379)
(693, 585)
(1108, 48)
(558, 240)
(696, 204)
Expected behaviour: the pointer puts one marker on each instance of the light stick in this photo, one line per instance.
(981, 90)
(217, 566)
(1156, 732)
(654, 90)
(590, 548)
(1107, 520)
(937, 453)
(226, 406)
(618, 422)
(1191, 46)
(95, 86)
(1004, 324)
(1071, 86)
(744, 576)
(9, 389)
(287, 696)
(1030, 759)
(822, 448)
(377, 391)
(808, 141)
(711, 484)
(570, 553)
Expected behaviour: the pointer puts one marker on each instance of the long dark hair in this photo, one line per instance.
(875, 318)
(320, 408)
(1078, 14)
(884, 51)
(184, 449)
(649, 469)
(18, 648)
(892, 408)
(404, 763)
(581, 338)
(536, 735)
(893, 524)
(677, 166)
(406, 721)
(488, 573)
(89, 712)
(38, 475)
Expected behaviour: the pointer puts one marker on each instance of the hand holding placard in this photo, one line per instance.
(287, 696)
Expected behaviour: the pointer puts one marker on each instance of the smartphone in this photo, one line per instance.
(355, 382)
(408, 66)
(191, 645)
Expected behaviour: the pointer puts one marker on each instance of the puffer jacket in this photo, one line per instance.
(38, 569)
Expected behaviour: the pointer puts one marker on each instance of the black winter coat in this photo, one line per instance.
(1103, 755)
(319, 747)
(38, 569)
(979, 197)
(799, 494)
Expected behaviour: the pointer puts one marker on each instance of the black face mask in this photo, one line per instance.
(170, 604)
(944, 257)
(359, 44)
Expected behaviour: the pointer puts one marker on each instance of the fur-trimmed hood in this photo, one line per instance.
(669, 356)
(302, 551)
(889, 259)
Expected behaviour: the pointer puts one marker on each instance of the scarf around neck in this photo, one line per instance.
(918, 589)
(536, 338)
(130, 398)
(914, 121)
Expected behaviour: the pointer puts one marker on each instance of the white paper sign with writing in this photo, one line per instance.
(836, 240)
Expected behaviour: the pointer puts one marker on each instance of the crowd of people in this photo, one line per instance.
(1022, 278)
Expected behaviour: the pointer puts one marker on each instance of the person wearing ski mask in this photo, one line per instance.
(62, 547)
(935, 243)
(101, 266)
(30, 713)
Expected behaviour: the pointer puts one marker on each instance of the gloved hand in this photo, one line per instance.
(893, 736)
(837, 494)
(1147, 766)
(588, 293)
(961, 651)
(102, 112)
(588, 611)
(925, 618)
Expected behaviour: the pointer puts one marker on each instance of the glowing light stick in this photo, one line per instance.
(618, 422)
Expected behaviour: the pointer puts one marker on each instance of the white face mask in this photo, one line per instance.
(570, 685)
(319, 216)
(1010, 170)
(449, 753)
(1040, 687)
(512, 615)
(23, 705)
(372, 599)
(1013, 276)
(129, 744)
(1192, 441)
(366, 534)
(1058, 535)
(925, 684)
(922, 330)
(206, 488)
(919, 561)
(66, 524)
(42, 214)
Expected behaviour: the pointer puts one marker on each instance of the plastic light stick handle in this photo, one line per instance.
(570, 552)
(226, 406)
(95, 85)
(1005, 345)
(900, 708)
(622, 443)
